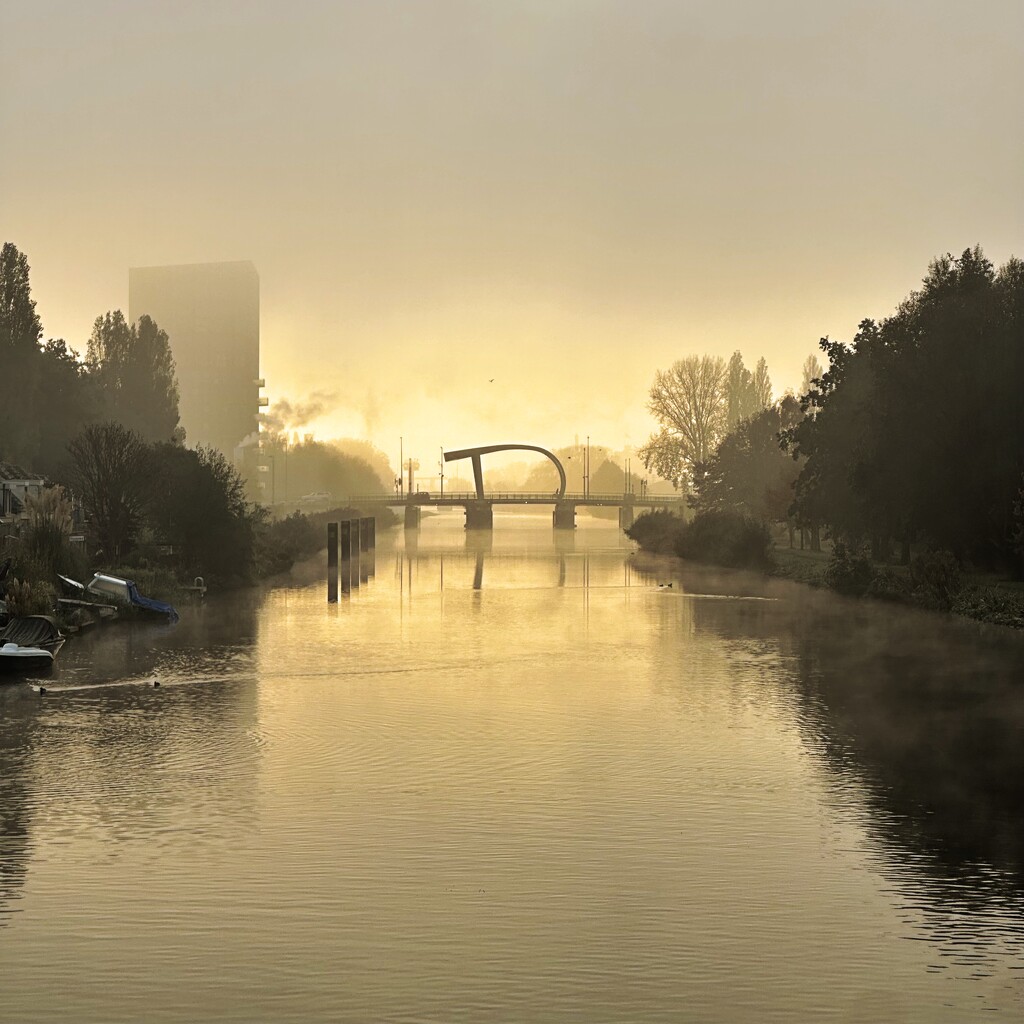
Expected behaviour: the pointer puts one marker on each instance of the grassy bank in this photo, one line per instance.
(934, 579)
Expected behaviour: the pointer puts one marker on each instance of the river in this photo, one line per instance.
(512, 778)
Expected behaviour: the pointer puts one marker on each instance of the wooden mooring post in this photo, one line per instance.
(346, 556)
(357, 544)
(332, 562)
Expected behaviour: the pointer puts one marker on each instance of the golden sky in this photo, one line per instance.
(563, 196)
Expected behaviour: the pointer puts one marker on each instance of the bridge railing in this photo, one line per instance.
(511, 497)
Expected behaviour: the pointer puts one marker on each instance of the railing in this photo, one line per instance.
(517, 498)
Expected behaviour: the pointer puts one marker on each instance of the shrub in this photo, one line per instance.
(726, 538)
(656, 531)
(888, 586)
(280, 544)
(849, 572)
(26, 598)
(989, 604)
(936, 579)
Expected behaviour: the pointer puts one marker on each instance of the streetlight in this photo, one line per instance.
(441, 464)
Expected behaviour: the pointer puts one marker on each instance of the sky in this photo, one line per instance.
(484, 222)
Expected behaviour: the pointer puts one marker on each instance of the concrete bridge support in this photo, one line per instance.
(479, 515)
(625, 516)
(412, 517)
(564, 516)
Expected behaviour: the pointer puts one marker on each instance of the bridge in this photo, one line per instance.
(479, 504)
(480, 510)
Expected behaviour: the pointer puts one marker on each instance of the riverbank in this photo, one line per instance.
(933, 581)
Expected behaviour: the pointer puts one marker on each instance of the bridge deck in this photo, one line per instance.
(518, 498)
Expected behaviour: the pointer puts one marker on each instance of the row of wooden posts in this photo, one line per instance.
(355, 541)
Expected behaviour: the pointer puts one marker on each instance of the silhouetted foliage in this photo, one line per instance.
(317, 467)
(110, 469)
(68, 400)
(917, 427)
(656, 531)
(849, 570)
(283, 542)
(20, 331)
(197, 506)
(748, 472)
(726, 538)
(134, 372)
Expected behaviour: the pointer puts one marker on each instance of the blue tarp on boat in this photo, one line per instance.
(149, 603)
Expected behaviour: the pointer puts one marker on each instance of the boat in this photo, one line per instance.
(29, 643)
(125, 592)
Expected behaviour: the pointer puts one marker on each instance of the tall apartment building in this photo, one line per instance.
(211, 313)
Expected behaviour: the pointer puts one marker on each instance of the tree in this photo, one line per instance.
(749, 473)
(811, 374)
(739, 391)
(916, 431)
(67, 401)
(20, 331)
(688, 401)
(134, 370)
(197, 504)
(110, 471)
(762, 387)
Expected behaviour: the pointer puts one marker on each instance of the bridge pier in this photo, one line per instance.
(625, 516)
(479, 515)
(564, 516)
(412, 517)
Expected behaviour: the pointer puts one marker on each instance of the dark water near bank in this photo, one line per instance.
(515, 781)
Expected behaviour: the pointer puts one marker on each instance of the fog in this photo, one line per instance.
(478, 223)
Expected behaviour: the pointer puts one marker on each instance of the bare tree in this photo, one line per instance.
(110, 471)
(688, 400)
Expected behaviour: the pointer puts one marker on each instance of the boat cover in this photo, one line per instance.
(30, 631)
(150, 604)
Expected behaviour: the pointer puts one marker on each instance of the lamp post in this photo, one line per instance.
(441, 464)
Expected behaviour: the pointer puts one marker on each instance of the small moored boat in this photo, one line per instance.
(29, 643)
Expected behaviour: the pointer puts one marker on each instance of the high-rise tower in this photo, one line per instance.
(211, 313)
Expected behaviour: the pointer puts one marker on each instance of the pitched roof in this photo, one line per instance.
(8, 471)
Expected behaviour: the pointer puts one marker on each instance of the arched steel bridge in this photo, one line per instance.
(479, 504)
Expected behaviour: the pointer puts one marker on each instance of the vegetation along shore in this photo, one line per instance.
(900, 468)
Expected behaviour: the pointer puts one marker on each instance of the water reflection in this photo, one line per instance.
(510, 778)
(920, 719)
(106, 757)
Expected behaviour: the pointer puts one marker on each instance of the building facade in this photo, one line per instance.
(211, 313)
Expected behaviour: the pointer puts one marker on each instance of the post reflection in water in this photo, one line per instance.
(511, 778)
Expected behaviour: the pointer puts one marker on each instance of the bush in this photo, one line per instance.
(657, 531)
(849, 572)
(887, 585)
(282, 543)
(726, 538)
(988, 604)
(936, 579)
(26, 598)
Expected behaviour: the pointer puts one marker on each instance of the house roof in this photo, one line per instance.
(8, 471)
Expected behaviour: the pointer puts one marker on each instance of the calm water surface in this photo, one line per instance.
(514, 780)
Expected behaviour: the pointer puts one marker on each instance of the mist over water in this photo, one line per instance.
(513, 778)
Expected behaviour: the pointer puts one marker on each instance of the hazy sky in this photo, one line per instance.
(562, 195)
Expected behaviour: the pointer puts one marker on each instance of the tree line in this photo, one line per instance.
(915, 434)
(912, 436)
(106, 427)
(50, 393)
